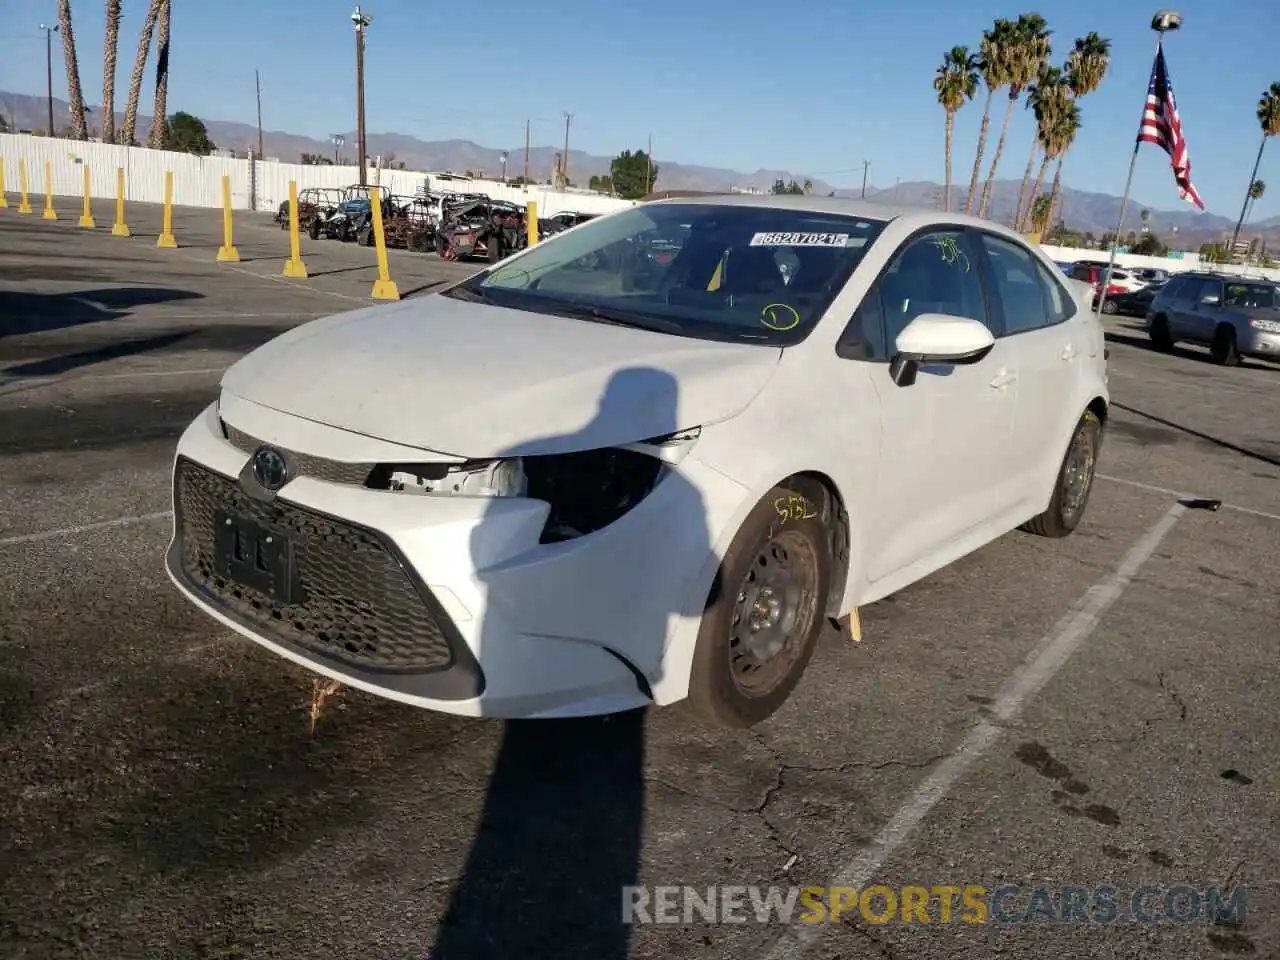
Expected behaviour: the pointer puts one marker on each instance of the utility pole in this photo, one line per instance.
(865, 166)
(258, 84)
(48, 67)
(361, 21)
(526, 151)
(648, 177)
(564, 162)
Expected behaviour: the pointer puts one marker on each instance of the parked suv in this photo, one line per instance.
(1235, 317)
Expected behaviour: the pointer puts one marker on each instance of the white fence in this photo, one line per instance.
(264, 185)
(255, 184)
(1188, 261)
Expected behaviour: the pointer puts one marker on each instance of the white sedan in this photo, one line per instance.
(644, 461)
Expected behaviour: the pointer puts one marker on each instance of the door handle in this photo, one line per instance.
(1003, 379)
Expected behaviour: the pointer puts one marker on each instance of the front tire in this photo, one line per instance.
(761, 625)
(1075, 482)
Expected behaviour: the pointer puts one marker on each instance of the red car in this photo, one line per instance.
(1093, 274)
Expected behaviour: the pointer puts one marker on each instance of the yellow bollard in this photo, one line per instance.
(86, 213)
(4, 200)
(166, 238)
(25, 205)
(120, 228)
(227, 253)
(294, 267)
(384, 288)
(531, 222)
(49, 213)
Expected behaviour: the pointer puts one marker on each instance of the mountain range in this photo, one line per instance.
(1082, 210)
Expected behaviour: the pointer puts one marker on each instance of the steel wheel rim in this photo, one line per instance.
(773, 613)
(1078, 476)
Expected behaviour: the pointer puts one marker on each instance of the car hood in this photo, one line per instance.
(475, 380)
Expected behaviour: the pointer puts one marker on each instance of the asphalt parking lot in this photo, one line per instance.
(1088, 712)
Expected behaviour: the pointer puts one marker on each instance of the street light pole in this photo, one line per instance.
(48, 67)
(361, 21)
(503, 158)
(866, 165)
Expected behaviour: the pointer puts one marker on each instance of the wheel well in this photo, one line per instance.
(1098, 407)
(823, 490)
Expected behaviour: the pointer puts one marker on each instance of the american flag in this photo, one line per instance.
(1161, 126)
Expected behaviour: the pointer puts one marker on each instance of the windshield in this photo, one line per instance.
(717, 272)
(1250, 295)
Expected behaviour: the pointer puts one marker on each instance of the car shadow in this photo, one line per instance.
(560, 832)
(52, 366)
(1209, 438)
(22, 312)
(1142, 341)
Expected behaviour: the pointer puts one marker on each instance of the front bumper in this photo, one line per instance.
(450, 602)
(1260, 343)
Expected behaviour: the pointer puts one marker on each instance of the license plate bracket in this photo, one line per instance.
(256, 557)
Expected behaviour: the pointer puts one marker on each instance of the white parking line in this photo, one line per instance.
(1182, 494)
(1048, 657)
(83, 528)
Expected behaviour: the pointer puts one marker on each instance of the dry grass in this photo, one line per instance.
(321, 691)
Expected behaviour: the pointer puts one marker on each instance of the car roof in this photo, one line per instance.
(910, 217)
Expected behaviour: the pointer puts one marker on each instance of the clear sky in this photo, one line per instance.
(811, 86)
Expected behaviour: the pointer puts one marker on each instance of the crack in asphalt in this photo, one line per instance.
(1172, 695)
(882, 948)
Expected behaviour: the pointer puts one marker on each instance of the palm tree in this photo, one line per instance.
(1027, 58)
(1064, 134)
(995, 74)
(1086, 68)
(956, 81)
(110, 45)
(1256, 190)
(75, 96)
(1269, 119)
(1042, 98)
(135, 80)
(158, 124)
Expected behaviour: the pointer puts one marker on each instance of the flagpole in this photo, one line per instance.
(1162, 22)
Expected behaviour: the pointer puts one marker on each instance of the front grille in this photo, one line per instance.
(358, 605)
(334, 471)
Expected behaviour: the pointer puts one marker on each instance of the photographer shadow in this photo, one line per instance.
(560, 834)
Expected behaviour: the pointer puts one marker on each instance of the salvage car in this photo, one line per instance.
(566, 487)
(483, 228)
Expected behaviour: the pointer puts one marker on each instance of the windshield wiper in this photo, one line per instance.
(470, 294)
(619, 318)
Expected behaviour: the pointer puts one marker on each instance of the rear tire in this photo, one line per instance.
(1224, 350)
(1109, 307)
(1074, 483)
(1161, 338)
(761, 624)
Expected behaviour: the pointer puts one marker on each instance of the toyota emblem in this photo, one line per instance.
(270, 468)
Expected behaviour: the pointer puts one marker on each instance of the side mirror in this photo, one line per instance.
(938, 338)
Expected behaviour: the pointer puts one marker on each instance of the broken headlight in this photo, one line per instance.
(587, 490)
